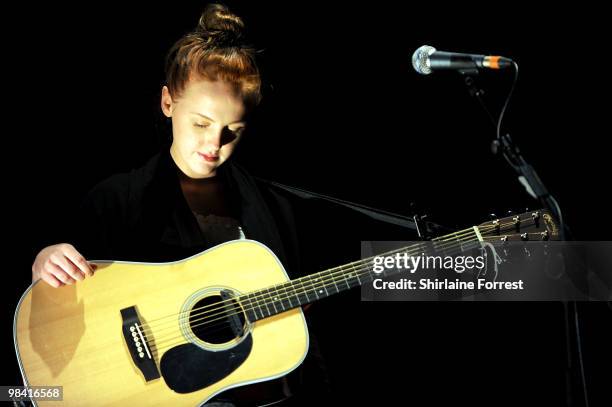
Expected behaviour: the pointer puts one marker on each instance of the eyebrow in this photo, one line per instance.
(204, 116)
(208, 118)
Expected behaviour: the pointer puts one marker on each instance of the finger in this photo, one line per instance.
(78, 260)
(51, 280)
(59, 273)
(68, 266)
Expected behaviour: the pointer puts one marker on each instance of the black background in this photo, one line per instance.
(344, 114)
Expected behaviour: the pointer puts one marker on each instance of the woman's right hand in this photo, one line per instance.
(61, 264)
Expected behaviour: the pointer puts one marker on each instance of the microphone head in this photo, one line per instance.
(420, 59)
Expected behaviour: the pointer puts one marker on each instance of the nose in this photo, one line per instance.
(212, 142)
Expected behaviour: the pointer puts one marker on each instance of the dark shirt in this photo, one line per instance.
(143, 216)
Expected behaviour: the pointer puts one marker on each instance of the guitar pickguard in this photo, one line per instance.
(188, 367)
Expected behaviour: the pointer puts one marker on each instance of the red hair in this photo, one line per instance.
(215, 50)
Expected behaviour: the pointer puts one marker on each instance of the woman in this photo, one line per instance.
(190, 196)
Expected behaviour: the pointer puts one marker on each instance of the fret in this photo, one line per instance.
(356, 274)
(278, 299)
(283, 297)
(301, 289)
(316, 285)
(248, 309)
(434, 243)
(304, 291)
(305, 288)
(263, 298)
(352, 277)
(370, 269)
(321, 282)
(327, 277)
(266, 299)
(445, 247)
(274, 297)
(348, 286)
(457, 240)
(295, 293)
(253, 306)
(288, 294)
(258, 306)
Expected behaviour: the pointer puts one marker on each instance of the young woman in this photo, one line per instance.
(190, 196)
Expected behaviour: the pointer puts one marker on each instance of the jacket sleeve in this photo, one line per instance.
(100, 223)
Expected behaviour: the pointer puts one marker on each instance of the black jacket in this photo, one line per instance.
(143, 216)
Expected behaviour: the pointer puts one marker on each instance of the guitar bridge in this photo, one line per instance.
(138, 344)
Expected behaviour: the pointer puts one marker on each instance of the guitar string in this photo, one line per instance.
(355, 272)
(170, 342)
(319, 283)
(290, 286)
(329, 275)
(450, 239)
(153, 348)
(182, 341)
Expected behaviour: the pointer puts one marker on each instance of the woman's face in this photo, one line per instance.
(207, 122)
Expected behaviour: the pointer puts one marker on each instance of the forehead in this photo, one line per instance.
(218, 100)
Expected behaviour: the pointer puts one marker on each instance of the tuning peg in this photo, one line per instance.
(517, 223)
(536, 218)
(495, 145)
(495, 222)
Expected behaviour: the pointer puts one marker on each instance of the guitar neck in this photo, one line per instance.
(292, 294)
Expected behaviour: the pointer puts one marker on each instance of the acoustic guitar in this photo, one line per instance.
(180, 333)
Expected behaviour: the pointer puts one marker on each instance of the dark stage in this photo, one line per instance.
(345, 114)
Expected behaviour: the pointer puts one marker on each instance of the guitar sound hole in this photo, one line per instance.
(216, 321)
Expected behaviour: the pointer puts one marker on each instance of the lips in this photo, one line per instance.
(209, 158)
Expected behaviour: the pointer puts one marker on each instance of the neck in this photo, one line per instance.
(292, 294)
(187, 180)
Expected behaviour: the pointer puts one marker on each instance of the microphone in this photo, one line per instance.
(427, 59)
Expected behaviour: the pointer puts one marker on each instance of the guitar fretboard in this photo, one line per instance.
(292, 294)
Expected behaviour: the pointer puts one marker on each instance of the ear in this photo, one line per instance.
(167, 103)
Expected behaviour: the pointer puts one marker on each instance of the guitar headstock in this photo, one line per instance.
(537, 225)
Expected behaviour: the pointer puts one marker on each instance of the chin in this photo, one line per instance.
(204, 171)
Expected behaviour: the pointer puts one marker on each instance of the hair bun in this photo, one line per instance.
(217, 49)
(218, 20)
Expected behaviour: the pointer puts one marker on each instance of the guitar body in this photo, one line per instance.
(73, 336)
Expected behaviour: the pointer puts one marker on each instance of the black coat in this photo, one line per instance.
(143, 216)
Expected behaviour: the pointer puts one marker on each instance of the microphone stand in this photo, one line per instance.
(527, 175)
(534, 186)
